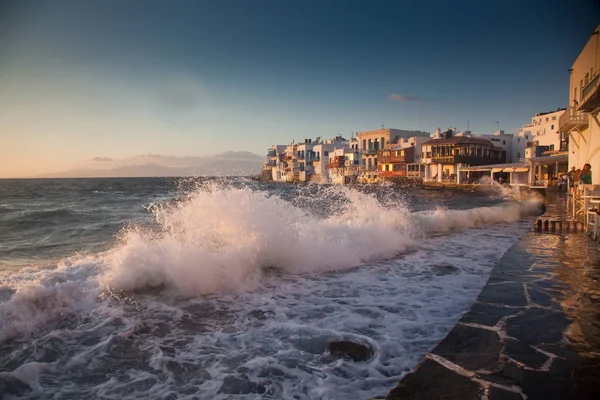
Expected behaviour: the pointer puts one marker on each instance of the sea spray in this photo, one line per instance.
(130, 322)
(221, 237)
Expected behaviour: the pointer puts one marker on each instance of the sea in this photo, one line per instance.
(206, 288)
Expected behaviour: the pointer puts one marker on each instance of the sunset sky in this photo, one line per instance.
(119, 79)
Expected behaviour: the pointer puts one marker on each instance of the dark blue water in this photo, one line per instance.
(220, 289)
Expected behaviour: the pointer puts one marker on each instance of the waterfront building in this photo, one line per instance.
(443, 157)
(371, 142)
(402, 159)
(546, 148)
(580, 121)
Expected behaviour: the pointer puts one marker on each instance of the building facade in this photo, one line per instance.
(581, 121)
(443, 157)
(371, 142)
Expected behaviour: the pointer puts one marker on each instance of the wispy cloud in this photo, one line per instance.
(102, 159)
(402, 97)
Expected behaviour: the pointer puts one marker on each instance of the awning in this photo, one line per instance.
(508, 169)
(521, 169)
(497, 170)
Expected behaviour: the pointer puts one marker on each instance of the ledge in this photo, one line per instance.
(533, 333)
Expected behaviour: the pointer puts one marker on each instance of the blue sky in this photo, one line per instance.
(115, 79)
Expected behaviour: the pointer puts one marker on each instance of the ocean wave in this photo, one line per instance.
(220, 238)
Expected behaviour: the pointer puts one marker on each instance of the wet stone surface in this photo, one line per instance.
(471, 348)
(534, 331)
(487, 314)
(448, 385)
(510, 294)
(538, 326)
(502, 394)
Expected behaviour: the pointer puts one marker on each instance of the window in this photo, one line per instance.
(326, 153)
(364, 143)
(554, 118)
(518, 154)
(581, 86)
(547, 119)
(382, 143)
(504, 142)
(428, 154)
(387, 167)
(587, 78)
(552, 127)
(518, 140)
(423, 154)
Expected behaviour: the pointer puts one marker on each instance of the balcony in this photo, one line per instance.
(572, 119)
(370, 152)
(468, 159)
(590, 95)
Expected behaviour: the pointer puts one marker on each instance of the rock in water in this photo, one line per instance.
(445, 269)
(354, 351)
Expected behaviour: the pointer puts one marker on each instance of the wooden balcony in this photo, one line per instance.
(590, 95)
(391, 159)
(572, 119)
(469, 160)
(391, 174)
(370, 152)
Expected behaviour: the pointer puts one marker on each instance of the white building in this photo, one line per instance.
(580, 121)
(504, 141)
(370, 142)
(343, 164)
(321, 152)
(541, 136)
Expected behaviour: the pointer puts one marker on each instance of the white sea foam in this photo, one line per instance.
(219, 240)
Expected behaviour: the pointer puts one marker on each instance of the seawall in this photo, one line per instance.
(533, 332)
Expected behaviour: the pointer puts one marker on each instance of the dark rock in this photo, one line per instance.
(444, 269)
(540, 298)
(354, 351)
(515, 259)
(523, 353)
(562, 368)
(511, 294)
(501, 394)
(587, 379)
(486, 314)
(515, 276)
(510, 374)
(561, 350)
(536, 326)
(234, 385)
(541, 385)
(432, 381)
(471, 348)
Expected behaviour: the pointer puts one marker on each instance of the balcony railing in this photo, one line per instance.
(468, 159)
(370, 152)
(392, 159)
(588, 91)
(572, 119)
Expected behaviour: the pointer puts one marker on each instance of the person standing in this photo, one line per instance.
(585, 175)
(572, 177)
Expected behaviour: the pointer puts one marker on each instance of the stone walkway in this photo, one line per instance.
(533, 333)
